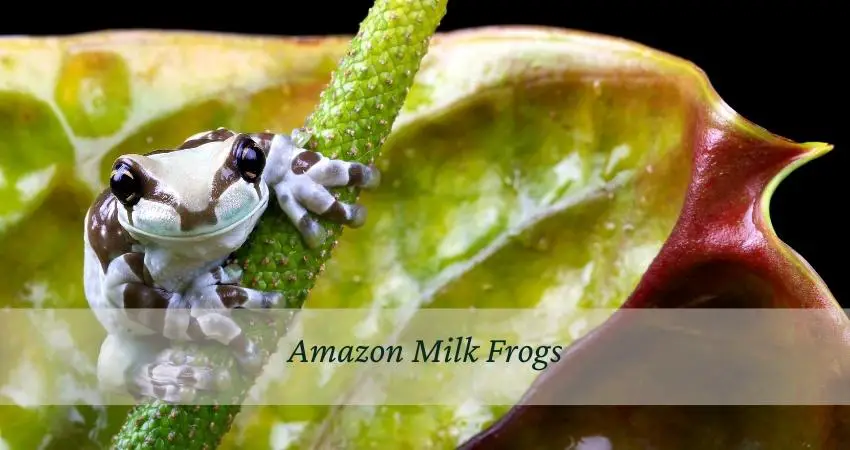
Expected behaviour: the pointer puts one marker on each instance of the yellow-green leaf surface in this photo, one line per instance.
(529, 168)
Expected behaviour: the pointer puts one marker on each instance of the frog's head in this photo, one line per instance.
(202, 189)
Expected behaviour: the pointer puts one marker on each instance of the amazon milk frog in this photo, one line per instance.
(158, 238)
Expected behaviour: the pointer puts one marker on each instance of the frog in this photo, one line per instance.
(159, 241)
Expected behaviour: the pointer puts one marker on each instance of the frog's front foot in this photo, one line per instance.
(209, 316)
(304, 189)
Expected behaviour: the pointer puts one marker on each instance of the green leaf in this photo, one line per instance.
(530, 168)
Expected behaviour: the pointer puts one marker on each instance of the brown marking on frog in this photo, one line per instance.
(106, 236)
(218, 135)
(304, 161)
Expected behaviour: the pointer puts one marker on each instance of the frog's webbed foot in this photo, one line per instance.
(172, 378)
(305, 189)
(143, 367)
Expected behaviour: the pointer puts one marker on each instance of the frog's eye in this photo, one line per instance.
(125, 184)
(250, 159)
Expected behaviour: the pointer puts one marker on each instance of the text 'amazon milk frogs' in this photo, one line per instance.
(159, 237)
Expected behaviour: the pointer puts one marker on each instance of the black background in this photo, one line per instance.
(779, 64)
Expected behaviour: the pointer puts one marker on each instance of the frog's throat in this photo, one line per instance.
(253, 215)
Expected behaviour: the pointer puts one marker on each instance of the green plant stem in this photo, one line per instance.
(354, 116)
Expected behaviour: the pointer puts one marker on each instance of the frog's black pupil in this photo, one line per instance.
(250, 160)
(126, 186)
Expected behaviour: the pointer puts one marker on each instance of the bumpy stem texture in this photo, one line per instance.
(354, 116)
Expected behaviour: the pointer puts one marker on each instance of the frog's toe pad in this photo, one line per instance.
(353, 215)
(371, 177)
(357, 216)
(314, 234)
